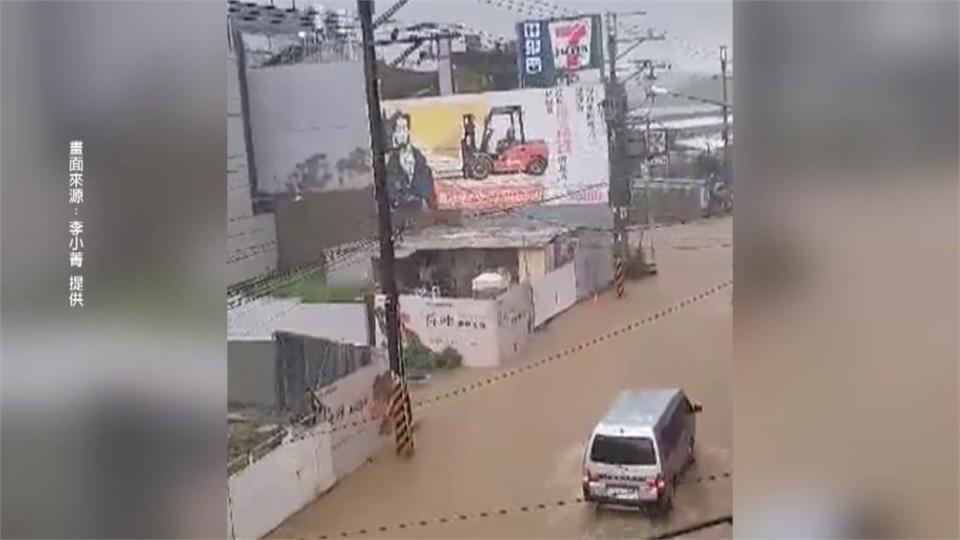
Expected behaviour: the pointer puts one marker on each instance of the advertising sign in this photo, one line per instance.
(657, 148)
(566, 50)
(656, 142)
(498, 149)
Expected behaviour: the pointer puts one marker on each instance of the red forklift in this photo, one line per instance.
(510, 155)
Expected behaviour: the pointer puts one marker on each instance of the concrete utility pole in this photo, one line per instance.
(726, 124)
(619, 179)
(387, 278)
(401, 409)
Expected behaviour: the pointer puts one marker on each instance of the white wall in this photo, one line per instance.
(532, 263)
(553, 293)
(250, 348)
(466, 324)
(269, 490)
(251, 240)
(352, 446)
(251, 373)
(342, 322)
(352, 271)
(309, 110)
(515, 320)
(345, 322)
(594, 263)
(251, 247)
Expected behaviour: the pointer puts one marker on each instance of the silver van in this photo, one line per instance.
(638, 450)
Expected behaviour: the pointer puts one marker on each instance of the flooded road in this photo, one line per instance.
(502, 460)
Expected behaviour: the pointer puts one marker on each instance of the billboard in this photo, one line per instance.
(568, 49)
(498, 149)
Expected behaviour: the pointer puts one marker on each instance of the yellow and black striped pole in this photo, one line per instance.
(401, 411)
(620, 277)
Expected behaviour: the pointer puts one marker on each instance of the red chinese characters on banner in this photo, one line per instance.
(450, 196)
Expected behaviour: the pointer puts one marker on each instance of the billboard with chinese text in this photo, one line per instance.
(566, 50)
(498, 149)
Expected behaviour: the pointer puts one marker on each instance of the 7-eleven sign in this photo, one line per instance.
(571, 40)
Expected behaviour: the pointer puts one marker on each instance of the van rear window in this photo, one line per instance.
(623, 450)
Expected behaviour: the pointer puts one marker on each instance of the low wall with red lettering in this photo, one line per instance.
(269, 490)
(485, 332)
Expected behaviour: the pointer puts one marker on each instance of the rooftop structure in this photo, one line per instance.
(497, 237)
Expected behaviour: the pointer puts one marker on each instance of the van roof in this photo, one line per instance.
(639, 408)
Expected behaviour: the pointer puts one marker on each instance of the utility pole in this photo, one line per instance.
(726, 125)
(619, 180)
(400, 407)
(387, 278)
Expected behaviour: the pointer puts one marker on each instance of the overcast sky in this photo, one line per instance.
(695, 28)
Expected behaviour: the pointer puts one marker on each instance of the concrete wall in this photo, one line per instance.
(355, 270)
(467, 325)
(670, 201)
(318, 221)
(360, 393)
(268, 491)
(486, 332)
(553, 293)
(341, 322)
(532, 263)
(251, 377)
(344, 322)
(514, 320)
(593, 262)
(251, 357)
(271, 489)
(251, 240)
(310, 122)
(251, 247)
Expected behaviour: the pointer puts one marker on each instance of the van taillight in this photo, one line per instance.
(657, 482)
(590, 477)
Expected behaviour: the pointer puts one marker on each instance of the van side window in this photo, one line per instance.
(685, 407)
(672, 429)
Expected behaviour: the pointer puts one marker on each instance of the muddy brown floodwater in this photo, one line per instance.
(517, 443)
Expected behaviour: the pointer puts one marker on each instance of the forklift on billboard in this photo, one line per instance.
(510, 155)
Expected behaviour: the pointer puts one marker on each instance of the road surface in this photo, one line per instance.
(488, 457)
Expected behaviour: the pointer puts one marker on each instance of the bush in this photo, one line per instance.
(419, 359)
(448, 358)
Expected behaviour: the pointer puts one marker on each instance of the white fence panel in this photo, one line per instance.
(553, 293)
(282, 482)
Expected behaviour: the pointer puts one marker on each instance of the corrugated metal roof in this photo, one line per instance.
(496, 237)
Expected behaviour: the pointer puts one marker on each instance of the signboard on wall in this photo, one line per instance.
(467, 325)
(657, 147)
(498, 149)
(568, 49)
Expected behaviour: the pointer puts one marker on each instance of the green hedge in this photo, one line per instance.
(420, 359)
